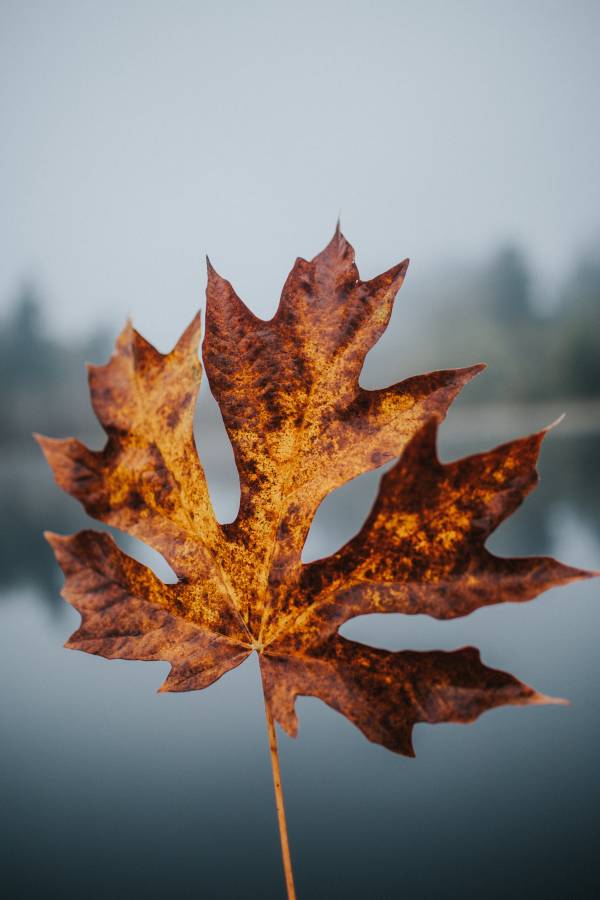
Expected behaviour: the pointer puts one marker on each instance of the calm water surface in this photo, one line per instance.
(111, 791)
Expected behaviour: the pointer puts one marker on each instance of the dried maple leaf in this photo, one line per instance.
(300, 426)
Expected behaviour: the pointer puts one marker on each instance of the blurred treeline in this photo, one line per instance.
(42, 378)
(535, 350)
(43, 388)
(492, 312)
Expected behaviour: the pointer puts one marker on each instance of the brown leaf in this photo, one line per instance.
(385, 694)
(300, 426)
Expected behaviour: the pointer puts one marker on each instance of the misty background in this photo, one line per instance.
(136, 138)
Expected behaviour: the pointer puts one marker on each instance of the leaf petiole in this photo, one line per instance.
(283, 832)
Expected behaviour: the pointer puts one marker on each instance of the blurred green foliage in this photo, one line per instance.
(533, 353)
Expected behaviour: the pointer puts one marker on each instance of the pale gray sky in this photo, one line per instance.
(137, 136)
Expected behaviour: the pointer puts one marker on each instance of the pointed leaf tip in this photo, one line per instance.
(548, 700)
(554, 424)
(190, 339)
(338, 244)
(212, 273)
(468, 373)
(54, 539)
(586, 573)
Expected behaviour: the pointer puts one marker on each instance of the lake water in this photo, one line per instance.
(109, 790)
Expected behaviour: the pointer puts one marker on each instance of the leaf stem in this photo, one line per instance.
(283, 833)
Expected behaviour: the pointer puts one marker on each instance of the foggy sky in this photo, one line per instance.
(138, 136)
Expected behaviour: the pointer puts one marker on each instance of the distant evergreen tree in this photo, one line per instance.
(509, 287)
(26, 354)
(43, 379)
(579, 321)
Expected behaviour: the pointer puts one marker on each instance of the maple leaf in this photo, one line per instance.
(300, 426)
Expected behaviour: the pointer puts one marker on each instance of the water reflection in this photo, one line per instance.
(30, 504)
(570, 483)
(109, 790)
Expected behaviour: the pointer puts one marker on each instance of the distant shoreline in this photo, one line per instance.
(505, 420)
(488, 422)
